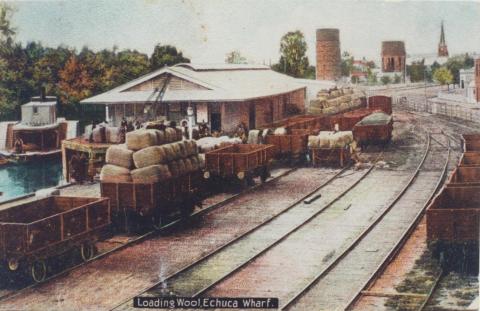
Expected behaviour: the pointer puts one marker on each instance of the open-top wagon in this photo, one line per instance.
(33, 232)
(471, 142)
(242, 162)
(148, 203)
(465, 176)
(470, 159)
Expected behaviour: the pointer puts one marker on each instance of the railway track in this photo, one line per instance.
(180, 282)
(149, 234)
(399, 245)
(315, 294)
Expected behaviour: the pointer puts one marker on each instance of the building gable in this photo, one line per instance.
(175, 83)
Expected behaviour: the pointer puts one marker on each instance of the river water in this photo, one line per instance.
(20, 179)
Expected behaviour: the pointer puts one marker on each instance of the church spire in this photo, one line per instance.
(442, 45)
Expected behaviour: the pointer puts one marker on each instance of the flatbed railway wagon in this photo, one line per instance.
(337, 157)
(137, 205)
(469, 159)
(33, 232)
(369, 132)
(346, 121)
(465, 176)
(471, 142)
(240, 162)
(453, 222)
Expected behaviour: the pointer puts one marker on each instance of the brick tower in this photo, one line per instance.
(393, 56)
(328, 54)
(442, 45)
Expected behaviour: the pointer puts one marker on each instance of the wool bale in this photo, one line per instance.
(161, 139)
(182, 167)
(201, 160)
(99, 135)
(254, 137)
(140, 139)
(114, 173)
(149, 156)
(169, 152)
(119, 155)
(152, 173)
(183, 149)
(174, 169)
(188, 165)
(179, 132)
(194, 162)
(191, 147)
(113, 135)
(376, 118)
(176, 150)
(280, 131)
(170, 135)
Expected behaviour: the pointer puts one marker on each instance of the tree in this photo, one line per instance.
(455, 63)
(346, 64)
(75, 81)
(371, 76)
(234, 57)
(166, 55)
(385, 80)
(397, 79)
(417, 71)
(443, 76)
(6, 30)
(293, 59)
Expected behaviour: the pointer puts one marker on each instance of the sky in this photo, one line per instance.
(205, 30)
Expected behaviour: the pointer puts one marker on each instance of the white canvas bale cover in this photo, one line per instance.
(312, 141)
(377, 118)
(113, 135)
(140, 139)
(152, 173)
(201, 160)
(254, 137)
(119, 155)
(114, 173)
(149, 156)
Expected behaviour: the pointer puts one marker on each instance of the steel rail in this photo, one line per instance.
(337, 259)
(336, 176)
(393, 253)
(234, 240)
(431, 291)
(149, 234)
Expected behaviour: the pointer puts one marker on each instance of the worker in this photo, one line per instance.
(122, 133)
(138, 125)
(242, 132)
(130, 126)
(123, 123)
(18, 146)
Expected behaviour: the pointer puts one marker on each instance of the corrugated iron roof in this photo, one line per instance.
(222, 82)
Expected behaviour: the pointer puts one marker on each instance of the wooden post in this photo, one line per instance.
(65, 163)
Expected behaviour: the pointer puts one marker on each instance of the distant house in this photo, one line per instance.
(221, 95)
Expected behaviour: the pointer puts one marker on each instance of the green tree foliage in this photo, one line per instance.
(293, 60)
(443, 76)
(417, 71)
(346, 64)
(455, 63)
(385, 80)
(371, 76)
(66, 73)
(166, 55)
(234, 57)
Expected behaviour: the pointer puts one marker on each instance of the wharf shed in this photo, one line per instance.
(222, 95)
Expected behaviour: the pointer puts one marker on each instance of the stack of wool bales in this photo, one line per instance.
(206, 144)
(151, 156)
(335, 101)
(329, 139)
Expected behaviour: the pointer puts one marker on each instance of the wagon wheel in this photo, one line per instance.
(264, 174)
(13, 264)
(38, 270)
(87, 251)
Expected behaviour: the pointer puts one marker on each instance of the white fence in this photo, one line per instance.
(445, 109)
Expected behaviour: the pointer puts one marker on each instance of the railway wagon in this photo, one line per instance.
(465, 176)
(469, 159)
(33, 232)
(380, 102)
(454, 215)
(289, 145)
(136, 205)
(241, 162)
(471, 142)
(368, 132)
(346, 121)
(339, 157)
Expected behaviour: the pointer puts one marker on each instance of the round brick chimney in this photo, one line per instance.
(328, 54)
